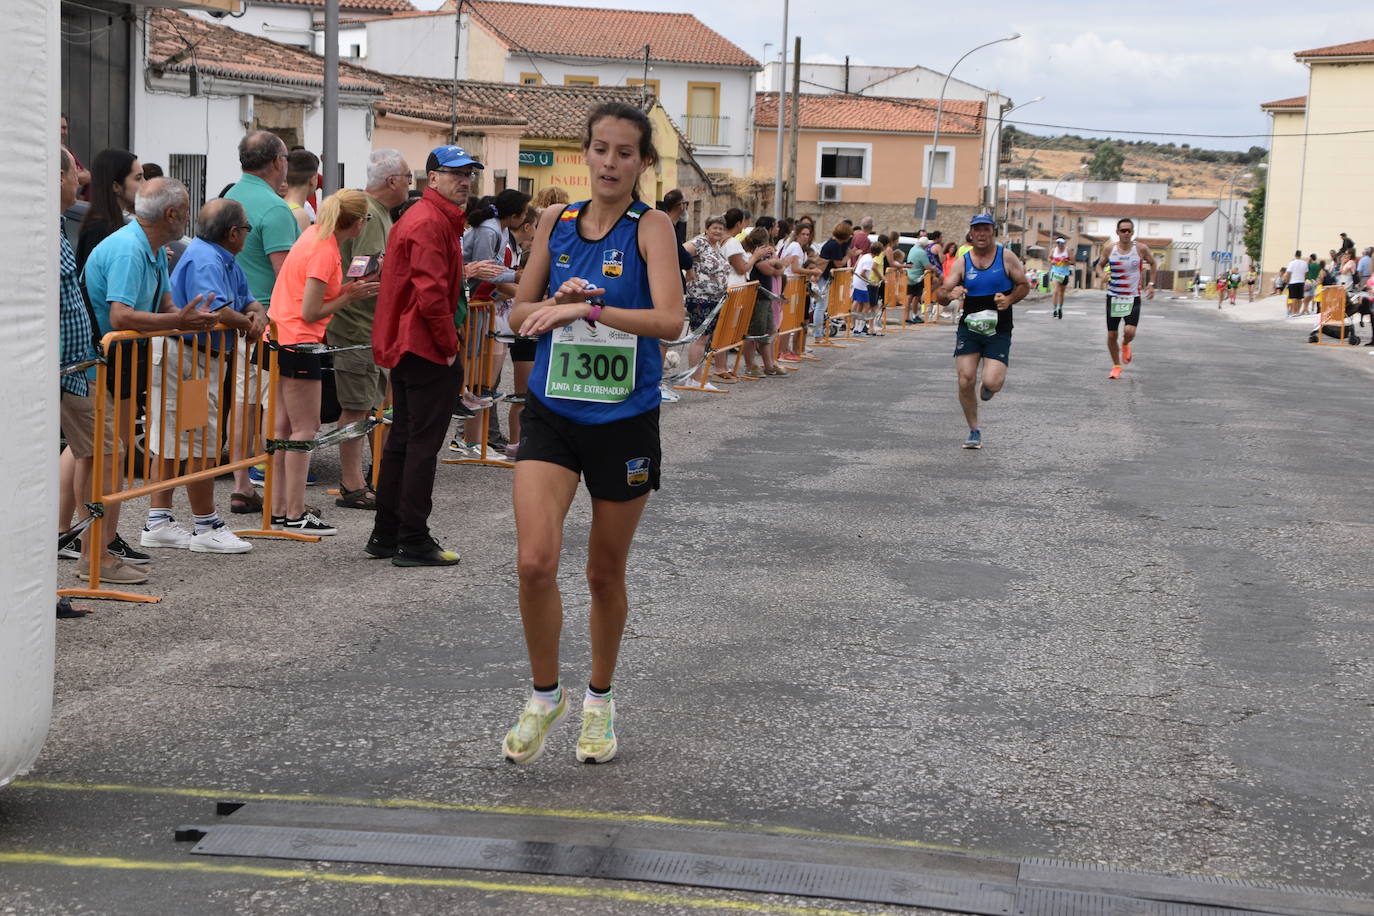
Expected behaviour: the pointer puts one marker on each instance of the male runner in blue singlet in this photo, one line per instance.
(990, 280)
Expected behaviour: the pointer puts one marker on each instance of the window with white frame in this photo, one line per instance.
(844, 164)
(939, 171)
(1187, 229)
(1152, 228)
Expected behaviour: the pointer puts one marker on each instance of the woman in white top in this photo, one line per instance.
(795, 258)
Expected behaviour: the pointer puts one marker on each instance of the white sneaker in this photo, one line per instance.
(709, 386)
(168, 534)
(218, 540)
(666, 395)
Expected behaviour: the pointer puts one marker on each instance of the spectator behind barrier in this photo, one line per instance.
(129, 290)
(360, 383)
(206, 271)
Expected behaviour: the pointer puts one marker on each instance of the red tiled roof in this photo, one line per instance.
(576, 31)
(1147, 211)
(413, 98)
(354, 6)
(177, 42)
(1297, 101)
(847, 112)
(550, 112)
(1363, 48)
(1156, 243)
(1034, 200)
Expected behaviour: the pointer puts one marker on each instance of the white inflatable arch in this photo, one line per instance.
(28, 378)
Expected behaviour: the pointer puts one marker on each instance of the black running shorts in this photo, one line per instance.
(1132, 319)
(619, 461)
(1297, 291)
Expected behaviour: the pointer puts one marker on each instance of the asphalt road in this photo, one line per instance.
(1134, 629)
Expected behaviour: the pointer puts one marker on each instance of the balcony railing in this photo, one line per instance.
(705, 130)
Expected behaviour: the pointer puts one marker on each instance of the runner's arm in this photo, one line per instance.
(951, 288)
(1147, 278)
(1016, 273)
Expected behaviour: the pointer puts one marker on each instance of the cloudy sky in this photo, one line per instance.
(1170, 68)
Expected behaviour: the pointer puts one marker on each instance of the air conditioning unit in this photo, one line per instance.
(830, 193)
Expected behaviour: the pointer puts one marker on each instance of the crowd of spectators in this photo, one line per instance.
(392, 338)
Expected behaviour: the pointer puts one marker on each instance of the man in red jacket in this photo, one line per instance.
(415, 335)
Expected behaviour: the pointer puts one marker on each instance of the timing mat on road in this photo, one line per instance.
(727, 860)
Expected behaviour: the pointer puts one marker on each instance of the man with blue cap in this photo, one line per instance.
(416, 333)
(989, 280)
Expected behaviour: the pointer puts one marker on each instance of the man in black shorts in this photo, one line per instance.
(1294, 279)
(988, 280)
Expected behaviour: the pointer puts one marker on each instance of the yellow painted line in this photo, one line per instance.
(423, 804)
(294, 874)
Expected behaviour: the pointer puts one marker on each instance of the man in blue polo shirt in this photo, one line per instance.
(207, 270)
(129, 290)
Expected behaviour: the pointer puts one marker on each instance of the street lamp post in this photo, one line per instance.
(1054, 196)
(1229, 213)
(939, 112)
(782, 81)
(996, 146)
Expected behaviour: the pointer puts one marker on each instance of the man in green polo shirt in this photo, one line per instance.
(262, 156)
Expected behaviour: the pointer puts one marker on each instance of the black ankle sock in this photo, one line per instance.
(549, 689)
(597, 691)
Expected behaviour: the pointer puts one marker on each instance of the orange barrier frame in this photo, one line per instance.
(192, 410)
(484, 367)
(894, 297)
(728, 335)
(1332, 302)
(794, 295)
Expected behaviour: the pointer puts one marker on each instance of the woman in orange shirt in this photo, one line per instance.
(308, 291)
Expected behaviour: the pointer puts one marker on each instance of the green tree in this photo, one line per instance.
(1106, 163)
(1254, 223)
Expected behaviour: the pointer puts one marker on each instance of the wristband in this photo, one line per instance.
(594, 313)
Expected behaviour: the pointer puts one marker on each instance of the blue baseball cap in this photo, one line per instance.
(449, 157)
(982, 219)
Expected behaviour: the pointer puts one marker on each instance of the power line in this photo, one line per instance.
(913, 103)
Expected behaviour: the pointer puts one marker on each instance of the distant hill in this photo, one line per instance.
(1189, 171)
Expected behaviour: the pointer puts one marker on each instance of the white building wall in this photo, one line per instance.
(1115, 192)
(352, 43)
(288, 25)
(420, 46)
(167, 122)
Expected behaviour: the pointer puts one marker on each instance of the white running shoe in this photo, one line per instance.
(666, 395)
(218, 540)
(168, 534)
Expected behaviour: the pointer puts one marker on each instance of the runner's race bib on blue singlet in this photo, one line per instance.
(591, 363)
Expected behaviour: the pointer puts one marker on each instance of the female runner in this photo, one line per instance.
(600, 290)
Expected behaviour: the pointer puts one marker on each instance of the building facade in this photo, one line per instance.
(863, 156)
(1317, 180)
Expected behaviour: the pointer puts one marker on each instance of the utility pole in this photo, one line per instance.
(453, 90)
(791, 193)
(644, 83)
(330, 147)
(782, 81)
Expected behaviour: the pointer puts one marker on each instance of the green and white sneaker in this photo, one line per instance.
(525, 742)
(596, 743)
